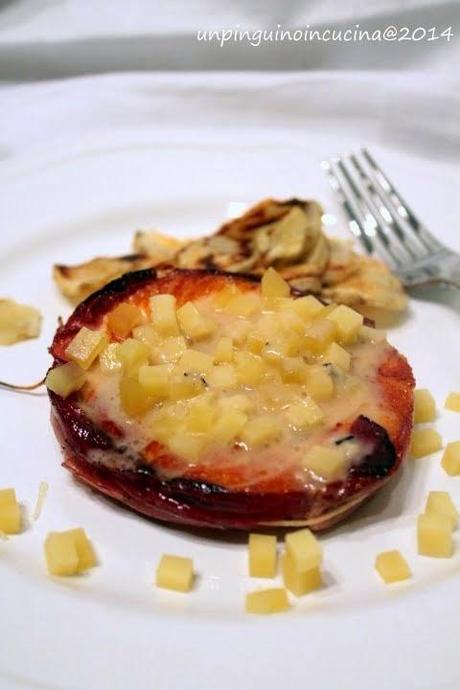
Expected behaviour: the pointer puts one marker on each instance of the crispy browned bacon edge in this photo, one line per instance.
(203, 497)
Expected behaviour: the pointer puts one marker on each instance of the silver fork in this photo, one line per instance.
(387, 227)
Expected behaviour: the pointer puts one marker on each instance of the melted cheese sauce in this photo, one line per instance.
(356, 392)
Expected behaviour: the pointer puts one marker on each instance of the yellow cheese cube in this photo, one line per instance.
(61, 554)
(65, 379)
(424, 442)
(304, 414)
(185, 384)
(434, 535)
(195, 325)
(320, 335)
(307, 307)
(170, 349)
(392, 566)
(291, 321)
(243, 304)
(453, 402)
(319, 383)
(108, 360)
(123, 319)
(325, 461)
(261, 430)
(267, 601)
(293, 370)
(299, 583)
(10, 518)
(132, 354)
(148, 334)
(175, 572)
(201, 414)
(163, 314)
(250, 369)
(304, 549)
(262, 555)
(85, 347)
(371, 335)
(335, 354)
(441, 502)
(85, 552)
(273, 285)
(348, 322)
(224, 350)
(194, 360)
(7, 497)
(229, 425)
(424, 406)
(237, 402)
(222, 376)
(155, 380)
(188, 445)
(134, 398)
(451, 458)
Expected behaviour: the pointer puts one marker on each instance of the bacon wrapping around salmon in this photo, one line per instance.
(206, 496)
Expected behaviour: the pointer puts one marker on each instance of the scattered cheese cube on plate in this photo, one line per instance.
(299, 583)
(267, 601)
(392, 566)
(175, 572)
(424, 442)
(434, 535)
(451, 458)
(453, 402)
(441, 502)
(304, 549)
(262, 555)
(424, 406)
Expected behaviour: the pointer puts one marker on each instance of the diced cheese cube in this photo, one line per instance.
(223, 376)
(188, 445)
(61, 554)
(293, 370)
(451, 458)
(7, 497)
(194, 360)
(325, 461)
(267, 601)
(155, 380)
(304, 549)
(85, 552)
(304, 414)
(229, 425)
(163, 314)
(372, 335)
(335, 354)
(273, 285)
(424, 442)
(224, 350)
(85, 347)
(185, 384)
(441, 502)
(108, 360)
(237, 402)
(307, 307)
(299, 583)
(243, 304)
(392, 566)
(348, 322)
(148, 334)
(132, 354)
(262, 555)
(201, 414)
(134, 398)
(170, 349)
(250, 369)
(434, 535)
(320, 335)
(319, 383)
(261, 430)
(65, 379)
(453, 402)
(10, 518)
(123, 319)
(424, 406)
(175, 572)
(195, 325)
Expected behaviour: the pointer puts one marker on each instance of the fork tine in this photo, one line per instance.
(355, 223)
(400, 206)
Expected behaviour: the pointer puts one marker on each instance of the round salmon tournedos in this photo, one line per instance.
(219, 400)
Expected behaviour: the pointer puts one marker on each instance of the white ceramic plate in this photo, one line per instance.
(112, 628)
